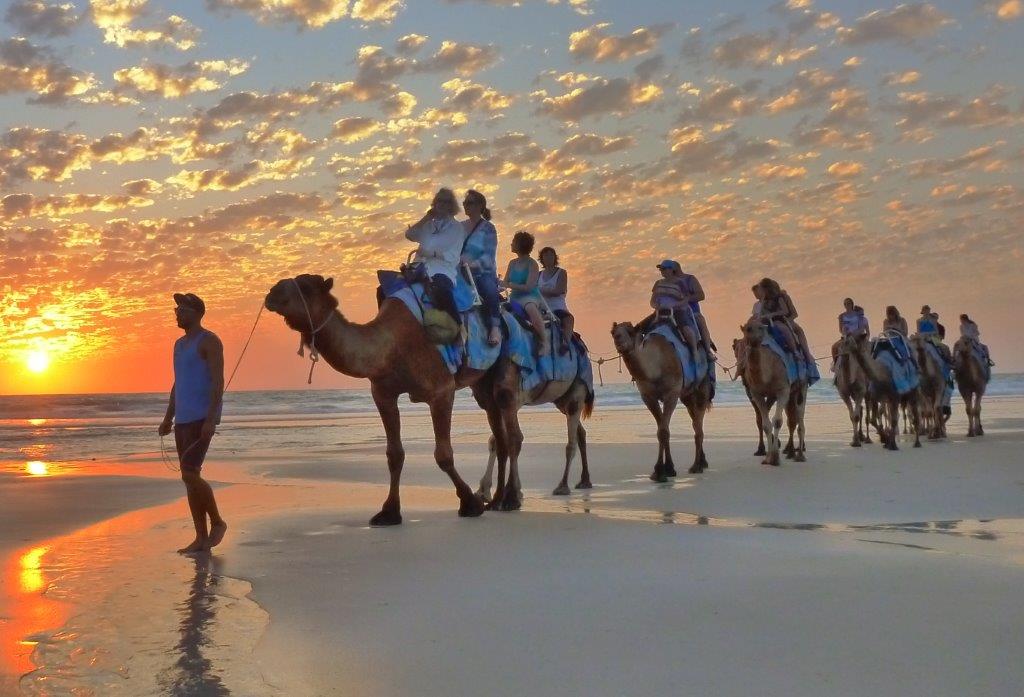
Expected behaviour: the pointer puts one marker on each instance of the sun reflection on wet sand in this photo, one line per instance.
(28, 610)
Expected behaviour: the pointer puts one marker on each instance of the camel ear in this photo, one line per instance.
(328, 283)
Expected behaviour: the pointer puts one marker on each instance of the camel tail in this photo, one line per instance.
(588, 405)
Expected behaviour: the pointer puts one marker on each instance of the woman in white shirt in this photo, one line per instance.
(440, 238)
(554, 284)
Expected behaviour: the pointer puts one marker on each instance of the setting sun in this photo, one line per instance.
(38, 361)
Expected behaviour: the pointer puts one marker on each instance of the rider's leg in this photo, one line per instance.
(537, 320)
(798, 330)
(444, 296)
(487, 287)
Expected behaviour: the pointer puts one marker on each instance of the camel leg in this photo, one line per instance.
(497, 451)
(790, 450)
(654, 406)
(977, 412)
(670, 407)
(387, 405)
(776, 426)
(759, 419)
(851, 411)
(915, 412)
(581, 438)
(801, 404)
(697, 411)
(441, 415)
(572, 420)
(512, 497)
(484, 490)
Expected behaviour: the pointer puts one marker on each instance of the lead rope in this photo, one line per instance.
(163, 450)
(314, 355)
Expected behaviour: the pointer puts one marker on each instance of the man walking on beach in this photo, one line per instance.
(194, 407)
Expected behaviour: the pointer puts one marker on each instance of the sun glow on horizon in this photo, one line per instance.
(37, 468)
(38, 361)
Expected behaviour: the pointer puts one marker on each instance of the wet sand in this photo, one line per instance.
(858, 572)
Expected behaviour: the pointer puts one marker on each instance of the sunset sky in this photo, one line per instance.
(215, 146)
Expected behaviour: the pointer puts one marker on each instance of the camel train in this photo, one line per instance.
(397, 355)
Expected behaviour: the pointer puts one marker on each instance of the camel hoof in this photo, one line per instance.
(981, 431)
(670, 471)
(658, 476)
(472, 507)
(917, 444)
(800, 457)
(562, 490)
(759, 452)
(511, 502)
(483, 495)
(696, 469)
(585, 484)
(970, 434)
(385, 519)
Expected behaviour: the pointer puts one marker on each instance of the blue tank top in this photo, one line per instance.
(193, 385)
(519, 274)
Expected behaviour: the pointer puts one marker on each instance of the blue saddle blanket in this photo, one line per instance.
(905, 377)
(797, 367)
(518, 343)
(475, 353)
(695, 368)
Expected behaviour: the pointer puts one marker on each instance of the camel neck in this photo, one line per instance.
(353, 349)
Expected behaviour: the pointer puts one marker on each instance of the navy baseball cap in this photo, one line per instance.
(190, 300)
(671, 264)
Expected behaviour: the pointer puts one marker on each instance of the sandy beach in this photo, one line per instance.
(858, 572)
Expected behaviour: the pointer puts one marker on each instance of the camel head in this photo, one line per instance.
(739, 350)
(285, 299)
(853, 344)
(624, 336)
(753, 332)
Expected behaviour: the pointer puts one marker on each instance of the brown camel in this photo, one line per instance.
(768, 383)
(655, 368)
(971, 380)
(852, 384)
(931, 390)
(739, 350)
(499, 393)
(883, 390)
(393, 352)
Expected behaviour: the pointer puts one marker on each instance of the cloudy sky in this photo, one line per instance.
(844, 148)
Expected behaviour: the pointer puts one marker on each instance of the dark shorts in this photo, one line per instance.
(188, 439)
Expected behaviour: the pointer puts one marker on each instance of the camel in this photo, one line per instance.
(971, 380)
(655, 368)
(883, 390)
(500, 395)
(852, 384)
(393, 352)
(739, 349)
(768, 384)
(932, 389)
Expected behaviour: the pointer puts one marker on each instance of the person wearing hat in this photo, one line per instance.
(194, 408)
(667, 295)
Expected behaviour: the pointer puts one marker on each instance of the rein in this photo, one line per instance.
(314, 355)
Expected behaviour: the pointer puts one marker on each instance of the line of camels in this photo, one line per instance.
(393, 352)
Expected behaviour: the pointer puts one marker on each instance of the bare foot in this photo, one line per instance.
(198, 545)
(217, 533)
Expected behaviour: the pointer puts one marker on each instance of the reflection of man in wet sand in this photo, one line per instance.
(194, 406)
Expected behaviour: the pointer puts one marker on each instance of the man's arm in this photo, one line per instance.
(213, 353)
(698, 291)
(165, 425)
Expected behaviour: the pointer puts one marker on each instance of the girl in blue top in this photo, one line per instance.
(479, 253)
(522, 278)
